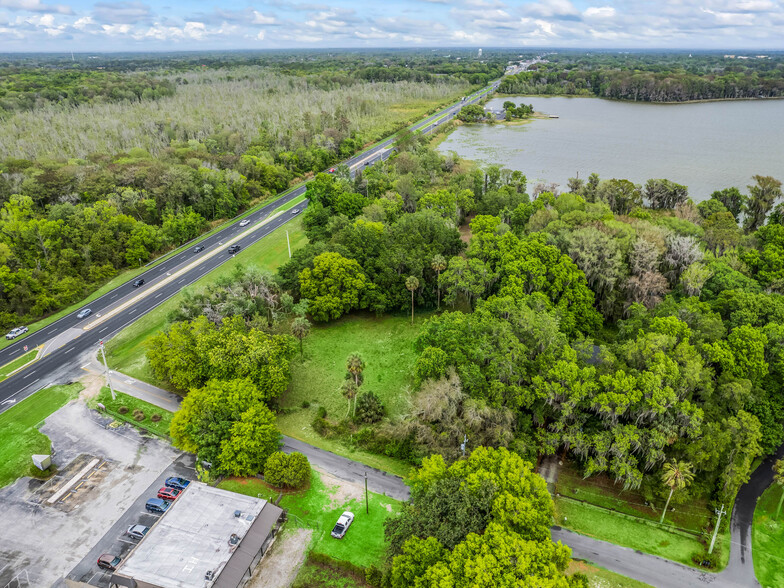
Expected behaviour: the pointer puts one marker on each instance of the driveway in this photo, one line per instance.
(42, 542)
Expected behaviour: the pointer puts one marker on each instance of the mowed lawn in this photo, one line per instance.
(601, 578)
(387, 346)
(160, 426)
(644, 536)
(19, 434)
(319, 508)
(767, 539)
(127, 351)
(14, 365)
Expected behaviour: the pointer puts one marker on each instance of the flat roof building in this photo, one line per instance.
(208, 538)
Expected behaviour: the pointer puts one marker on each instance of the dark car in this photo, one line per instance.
(137, 531)
(169, 493)
(233, 249)
(157, 505)
(177, 483)
(84, 313)
(137, 283)
(198, 248)
(109, 562)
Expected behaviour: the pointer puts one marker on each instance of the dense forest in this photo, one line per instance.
(652, 77)
(91, 189)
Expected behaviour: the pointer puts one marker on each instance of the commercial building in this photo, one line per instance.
(208, 538)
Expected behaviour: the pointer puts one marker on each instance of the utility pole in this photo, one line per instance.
(367, 504)
(106, 367)
(288, 243)
(716, 530)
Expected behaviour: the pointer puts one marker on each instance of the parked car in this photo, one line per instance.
(157, 505)
(109, 562)
(344, 522)
(14, 333)
(177, 483)
(169, 493)
(84, 313)
(137, 283)
(233, 249)
(137, 531)
(198, 248)
(244, 222)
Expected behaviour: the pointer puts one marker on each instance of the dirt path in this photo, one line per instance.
(92, 386)
(281, 564)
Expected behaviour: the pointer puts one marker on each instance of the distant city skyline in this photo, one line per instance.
(135, 25)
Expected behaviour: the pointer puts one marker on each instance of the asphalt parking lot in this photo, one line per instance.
(116, 540)
(41, 542)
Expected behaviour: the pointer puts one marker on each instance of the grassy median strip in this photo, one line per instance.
(767, 537)
(134, 411)
(20, 361)
(19, 434)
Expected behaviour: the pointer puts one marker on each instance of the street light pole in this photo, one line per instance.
(106, 367)
(716, 530)
(367, 504)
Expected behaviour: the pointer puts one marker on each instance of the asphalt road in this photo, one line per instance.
(71, 340)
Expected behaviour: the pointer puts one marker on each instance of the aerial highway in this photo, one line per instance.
(66, 339)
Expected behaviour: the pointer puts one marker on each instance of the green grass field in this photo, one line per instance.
(249, 487)
(19, 434)
(317, 575)
(159, 428)
(767, 539)
(11, 366)
(127, 352)
(601, 578)
(644, 536)
(319, 508)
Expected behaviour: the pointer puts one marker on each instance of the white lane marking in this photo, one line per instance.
(131, 312)
(102, 330)
(69, 350)
(52, 331)
(15, 351)
(28, 375)
(159, 295)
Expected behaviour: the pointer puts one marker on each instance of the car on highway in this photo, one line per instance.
(84, 313)
(344, 522)
(331, 170)
(295, 211)
(137, 531)
(169, 493)
(198, 248)
(139, 282)
(244, 222)
(109, 561)
(14, 333)
(157, 505)
(233, 249)
(177, 483)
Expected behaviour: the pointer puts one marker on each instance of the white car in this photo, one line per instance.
(344, 522)
(295, 211)
(14, 333)
(244, 222)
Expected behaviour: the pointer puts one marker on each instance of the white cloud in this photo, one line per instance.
(35, 6)
(262, 19)
(599, 12)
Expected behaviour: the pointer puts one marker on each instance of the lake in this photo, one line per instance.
(706, 146)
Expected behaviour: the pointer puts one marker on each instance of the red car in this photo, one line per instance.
(108, 561)
(332, 170)
(168, 493)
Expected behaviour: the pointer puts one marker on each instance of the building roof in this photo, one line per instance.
(192, 537)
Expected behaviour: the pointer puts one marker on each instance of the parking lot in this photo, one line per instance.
(116, 540)
(43, 542)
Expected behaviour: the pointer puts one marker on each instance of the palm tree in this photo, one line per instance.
(438, 264)
(349, 390)
(300, 327)
(778, 477)
(355, 366)
(412, 284)
(677, 475)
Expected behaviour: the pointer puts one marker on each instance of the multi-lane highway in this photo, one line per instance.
(68, 338)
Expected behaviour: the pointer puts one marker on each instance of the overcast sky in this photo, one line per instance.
(86, 25)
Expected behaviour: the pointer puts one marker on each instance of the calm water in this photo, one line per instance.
(707, 146)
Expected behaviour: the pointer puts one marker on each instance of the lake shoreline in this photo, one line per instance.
(498, 95)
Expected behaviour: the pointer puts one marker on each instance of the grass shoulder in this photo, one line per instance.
(767, 537)
(19, 434)
(19, 362)
(601, 578)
